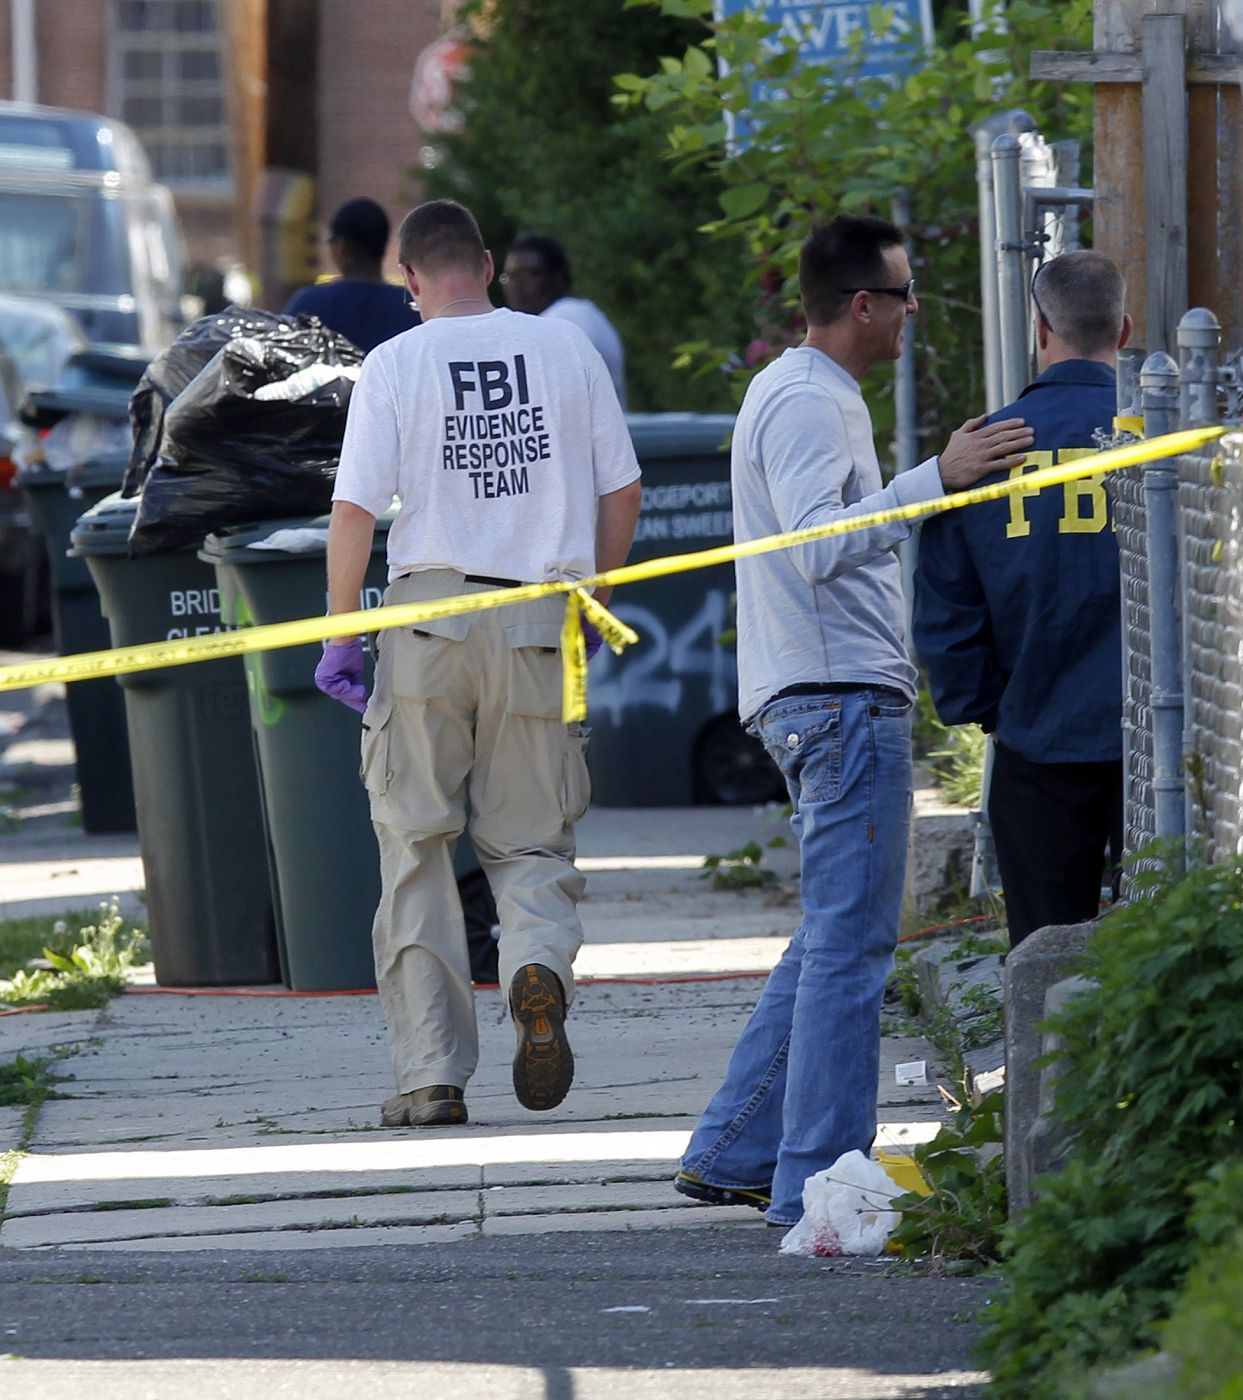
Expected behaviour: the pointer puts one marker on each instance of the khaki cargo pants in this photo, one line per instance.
(468, 707)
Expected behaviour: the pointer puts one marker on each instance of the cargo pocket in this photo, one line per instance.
(534, 689)
(424, 661)
(377, 736)
(576, 783)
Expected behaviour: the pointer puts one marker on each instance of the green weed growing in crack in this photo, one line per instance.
(743, 868)
(82, 970)
(27, 1083)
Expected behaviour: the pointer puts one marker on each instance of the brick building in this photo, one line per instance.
(256, 113)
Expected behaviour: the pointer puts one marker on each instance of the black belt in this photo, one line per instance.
(493, 582)
(831, 688)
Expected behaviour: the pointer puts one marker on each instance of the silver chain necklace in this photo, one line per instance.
(462, 301)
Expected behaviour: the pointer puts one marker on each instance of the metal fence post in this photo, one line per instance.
(1130, 365)
(1199, 339)
(984, 133)
(1011, 266)
(1160, 396)
(1199, 344)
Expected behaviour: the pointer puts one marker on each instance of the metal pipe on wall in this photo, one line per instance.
(1066, 161)
(25, 51)
(1011, 266)
(1160, 396)
(984, 134)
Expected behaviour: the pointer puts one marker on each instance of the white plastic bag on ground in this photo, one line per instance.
(845, 1210)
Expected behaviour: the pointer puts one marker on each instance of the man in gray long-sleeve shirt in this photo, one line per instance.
(826, 683)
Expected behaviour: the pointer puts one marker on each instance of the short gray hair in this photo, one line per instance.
(1081, 297)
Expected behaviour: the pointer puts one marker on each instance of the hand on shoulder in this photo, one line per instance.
(978, 448)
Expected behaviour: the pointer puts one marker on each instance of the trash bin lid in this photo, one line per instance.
(104, 529)
(278, 541)
(679, 434)
(99, 380)
(104, 469)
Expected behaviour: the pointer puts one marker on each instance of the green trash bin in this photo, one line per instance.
(55, 500)
(325, 863)
(98, 382)
(200, 822)
(664, 719)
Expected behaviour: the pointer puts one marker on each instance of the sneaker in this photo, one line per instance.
(433, 1107)
(691, 1185)
(543, 1064)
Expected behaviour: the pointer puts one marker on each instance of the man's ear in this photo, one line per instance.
(1042, 332)
(861, 307)
(1127, 327)
(489, 267)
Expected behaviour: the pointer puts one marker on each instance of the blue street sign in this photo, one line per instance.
(824, 28)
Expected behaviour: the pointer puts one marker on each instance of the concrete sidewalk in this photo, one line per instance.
(231, 1121)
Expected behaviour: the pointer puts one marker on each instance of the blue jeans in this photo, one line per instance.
(801, 1084)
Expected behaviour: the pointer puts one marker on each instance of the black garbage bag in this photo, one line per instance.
(170, 372)
(255, 435)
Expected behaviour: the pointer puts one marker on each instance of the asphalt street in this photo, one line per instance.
(669, 1313)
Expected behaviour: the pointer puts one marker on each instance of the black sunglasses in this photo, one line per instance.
(903, 293)
(1036, 299)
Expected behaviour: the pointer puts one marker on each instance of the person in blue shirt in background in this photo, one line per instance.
(1018, 616)
(359, 304)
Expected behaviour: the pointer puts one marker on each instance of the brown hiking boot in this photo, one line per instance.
(543, 1064)
(433, 1107)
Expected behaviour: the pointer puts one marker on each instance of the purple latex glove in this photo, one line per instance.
(592, 638)
(340, 673)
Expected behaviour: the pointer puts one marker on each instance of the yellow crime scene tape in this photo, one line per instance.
(150, 656)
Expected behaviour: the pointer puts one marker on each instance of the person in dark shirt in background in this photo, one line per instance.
(1018, 616)
(359, 304)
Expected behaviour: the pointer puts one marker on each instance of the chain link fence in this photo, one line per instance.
(1210, 498)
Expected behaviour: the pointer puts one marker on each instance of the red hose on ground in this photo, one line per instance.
(928, 932)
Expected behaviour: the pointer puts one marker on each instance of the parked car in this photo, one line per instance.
(24, 589)
(38, 337)
(83, 225)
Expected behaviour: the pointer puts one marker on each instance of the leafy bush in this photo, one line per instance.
(87, 973)
(1203, 1331)
(835, 140)
(1150, 1094)
(952, 754)
(542, 149)
(958, 1226)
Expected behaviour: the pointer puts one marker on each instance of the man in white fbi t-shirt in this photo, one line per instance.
(503, 439)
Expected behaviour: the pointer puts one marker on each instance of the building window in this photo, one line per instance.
(168, 83)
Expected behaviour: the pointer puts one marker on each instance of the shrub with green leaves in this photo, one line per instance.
(86, 973)
(1203, 1331)
(1150, 1091)
(832, 138)
(958, 1225)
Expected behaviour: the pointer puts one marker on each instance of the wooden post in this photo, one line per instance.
(1118, 161)
(1164, 107)
(1167, 75)
(1215, 185)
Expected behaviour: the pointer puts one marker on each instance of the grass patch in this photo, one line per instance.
(145, 1203)
(86, 962)
(27, 1083)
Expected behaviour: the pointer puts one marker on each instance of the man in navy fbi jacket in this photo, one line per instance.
(1018, 616)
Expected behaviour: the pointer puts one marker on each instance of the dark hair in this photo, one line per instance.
(364, 224)
(440, 236)
(550, 253)
(1081, 297)
(848, 251)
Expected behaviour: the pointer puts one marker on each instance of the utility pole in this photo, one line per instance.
(1167, 75)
